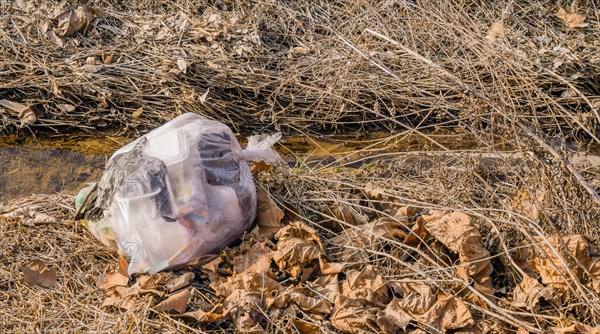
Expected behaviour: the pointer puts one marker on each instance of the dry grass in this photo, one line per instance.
(310, 65)
(329, 199)
(313, 67)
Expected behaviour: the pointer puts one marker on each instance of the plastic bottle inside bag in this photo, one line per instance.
(181, 191)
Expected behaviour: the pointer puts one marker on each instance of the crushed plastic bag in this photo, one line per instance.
(181, 191)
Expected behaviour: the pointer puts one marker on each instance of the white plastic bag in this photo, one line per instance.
(181, 191)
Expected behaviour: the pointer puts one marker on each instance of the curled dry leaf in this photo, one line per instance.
(297, 246)
(354, 315)
(347, 213)
(368, 236)
(571, 20)
(328, 268)
(268, 216)
(529, 205)
(576, 245)
(247, 281)
(307, 298)
(594, 272)
(574, 329)
(367, 284)
(176, 282)
(327, 286)
(496, 30)
(38, 274)
(25, 113)
(456, 231)
(257, 259)
(177, 302)
(417, 234)
(245, 296)
(166, 281)
(446, 314)
(125, 297)
(417, 297)
(212, 268)
(113, 279)
(304, 327)
(529, 292)
(71, 21)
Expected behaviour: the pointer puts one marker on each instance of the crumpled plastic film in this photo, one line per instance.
(181, 191)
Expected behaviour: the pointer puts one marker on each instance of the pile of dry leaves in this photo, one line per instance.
(382, 248)
(286, 277)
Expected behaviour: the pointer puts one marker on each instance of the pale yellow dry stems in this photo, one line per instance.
(317, 66)
(309, 65)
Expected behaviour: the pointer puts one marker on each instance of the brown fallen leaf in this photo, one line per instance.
(202, 316)
(529, 292)
(362, 238)
(268, 215)
(165, 280)
(528, 204)
(328, 268)
(574, 329)
(176, 302)
(446, 314)
(38, 274)
(367, 284)
(393, 317)
(25, 113)
(258, 259)
(354, 315)
(176, 282)
(306, 298)
(496, 30)
(571, 20)
(417, 297)
(126, 297)
(297, 246)
(212, 269)
(347, 213)
(113, 299)
(304, 327)
(71, 21)
(456, 231)
(247, 281)
(594, 276)
(113, 279)
(417, 234)
(327, 286)
(576, 245)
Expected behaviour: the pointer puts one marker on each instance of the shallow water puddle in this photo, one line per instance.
(67, 163)
(35, 166)
(26, 171)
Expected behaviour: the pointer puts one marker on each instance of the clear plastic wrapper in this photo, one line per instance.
(181, 191)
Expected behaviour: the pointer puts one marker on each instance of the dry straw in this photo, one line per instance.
(518, 78)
